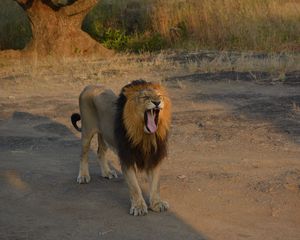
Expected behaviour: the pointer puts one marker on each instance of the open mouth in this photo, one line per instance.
(151, 119)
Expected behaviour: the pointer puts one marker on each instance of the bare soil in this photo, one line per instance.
(233, 170)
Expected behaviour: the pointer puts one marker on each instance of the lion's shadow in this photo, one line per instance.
(40, 198)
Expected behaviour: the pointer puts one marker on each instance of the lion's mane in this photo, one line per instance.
(135, 147)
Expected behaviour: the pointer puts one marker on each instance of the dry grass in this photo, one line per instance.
(126, 67)
(230, 24)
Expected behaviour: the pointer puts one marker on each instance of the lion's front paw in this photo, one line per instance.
(159, 206)
(83, 179)
(139, 209)
(109, 174)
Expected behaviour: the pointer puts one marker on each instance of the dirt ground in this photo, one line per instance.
(233, 170)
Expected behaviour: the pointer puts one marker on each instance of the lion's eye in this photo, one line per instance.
(145, 97)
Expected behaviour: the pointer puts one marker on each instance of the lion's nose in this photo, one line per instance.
(156, 103)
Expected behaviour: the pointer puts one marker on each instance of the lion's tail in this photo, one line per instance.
(74, 119)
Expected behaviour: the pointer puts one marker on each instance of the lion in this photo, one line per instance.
(135, 125)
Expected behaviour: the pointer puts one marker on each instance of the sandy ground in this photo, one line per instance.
(233, 170)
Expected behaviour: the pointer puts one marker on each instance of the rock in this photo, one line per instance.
(11, 97)
(15, 28)
(181, 177)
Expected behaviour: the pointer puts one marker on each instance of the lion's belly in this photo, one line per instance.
(107, 132)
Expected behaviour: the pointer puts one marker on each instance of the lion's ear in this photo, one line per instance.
(126, 92)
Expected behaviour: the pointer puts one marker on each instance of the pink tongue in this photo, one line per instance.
(151, 122)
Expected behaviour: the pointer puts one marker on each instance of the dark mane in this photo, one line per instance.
(128, 153)
(135, 83)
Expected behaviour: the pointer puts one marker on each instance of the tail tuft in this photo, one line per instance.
(74, 119)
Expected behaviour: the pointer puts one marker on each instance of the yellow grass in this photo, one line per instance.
(229, 24)
(126, 67)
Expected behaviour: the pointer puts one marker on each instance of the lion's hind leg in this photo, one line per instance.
(106, 171)
(84, 175)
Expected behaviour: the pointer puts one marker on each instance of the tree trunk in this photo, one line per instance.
(58, 31)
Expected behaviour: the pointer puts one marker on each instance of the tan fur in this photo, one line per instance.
(98, 111)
